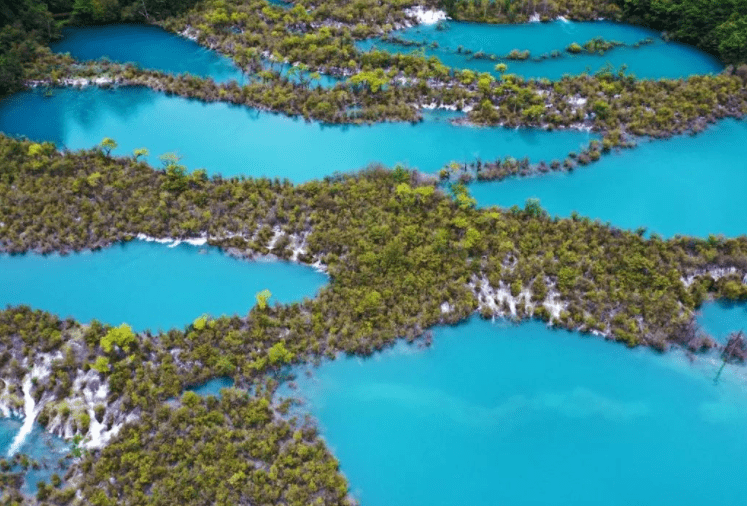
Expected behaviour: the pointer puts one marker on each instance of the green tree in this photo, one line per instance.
(108, 145)
(262, 298)
(122, 336)
(279, 354)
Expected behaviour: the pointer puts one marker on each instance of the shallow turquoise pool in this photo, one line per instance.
(47, 450)
(719, 319)
(690, 185)
(652, 61)
(497, 414)
(149, 285)
(150, 47)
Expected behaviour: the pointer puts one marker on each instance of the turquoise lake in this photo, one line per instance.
(491, 414)
(149, 285)
(690, 185)
(657, 60)
(719, 319)
(234, 140)
(151, 47)
(497, 414)
(148, 46)
(40, 446)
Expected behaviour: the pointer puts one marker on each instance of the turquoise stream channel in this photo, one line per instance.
(495, 414)
(149, 285)
(234, 140)
(651, 61)
(690, 185)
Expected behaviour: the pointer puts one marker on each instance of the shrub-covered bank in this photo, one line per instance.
(402, 257)
(717, 27)
(367, 228)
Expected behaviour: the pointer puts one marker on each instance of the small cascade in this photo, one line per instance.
(30, 413)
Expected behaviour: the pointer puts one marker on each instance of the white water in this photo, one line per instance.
(28, 422)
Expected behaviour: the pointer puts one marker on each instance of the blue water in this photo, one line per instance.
(658, 60)
(235, 140)
(690, 185)
(525, 415)
(148, 46)
(212, 387)
(151, 47)
(41, 446)
(149, 285)
(719, 319)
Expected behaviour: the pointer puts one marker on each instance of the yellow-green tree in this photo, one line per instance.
(262, 298)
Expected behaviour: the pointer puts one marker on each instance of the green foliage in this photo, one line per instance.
(101, 365)
(719, 27)
(279, 355)
(262, 298)
(520, 11)
(200, 322)
(108, 145)
(226, 451)
(121, 336)
(374, 81)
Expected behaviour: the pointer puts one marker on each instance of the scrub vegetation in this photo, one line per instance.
(402, 256)
(404, 251)
(715, 26)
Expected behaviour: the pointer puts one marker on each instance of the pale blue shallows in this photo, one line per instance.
(150, 285)
(719, 319)
(234, 140)
(41, 446)
(690, 185)
(150, 47)
(526, 415)
(654, 61)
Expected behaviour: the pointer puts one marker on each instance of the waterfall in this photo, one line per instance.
(29, 417)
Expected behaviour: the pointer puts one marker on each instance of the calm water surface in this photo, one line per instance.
(719, 319)
(148, 46)
(236, 140)
(657, 60)
(690, 185)
(149, 285)
(151, 47)
(212, 387)
(529, 416)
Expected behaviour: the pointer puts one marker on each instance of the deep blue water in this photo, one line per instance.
(526, 415)
(148, 46)
(149, 285)
(45, 448)
(719, 319)
(658, 60)
(235, 140)
(690, 185)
